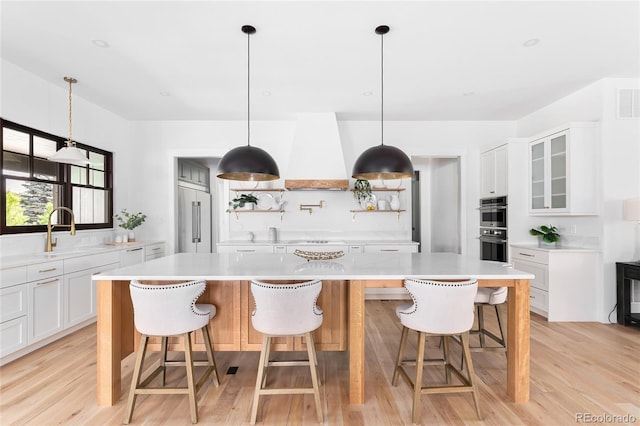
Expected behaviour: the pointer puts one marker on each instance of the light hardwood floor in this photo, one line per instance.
(575, 368)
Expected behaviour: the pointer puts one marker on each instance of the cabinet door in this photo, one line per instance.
(391, 248)
(537, 175)
(487, 174)
(13, 335)
(501, 176)
(45, 308)
(557, 181)
(13, 302)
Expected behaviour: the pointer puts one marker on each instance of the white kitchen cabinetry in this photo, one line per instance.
(79, 294)
(279, 248)
(359, 248)
(193, 173)
(131, 256)
(44, 300)
(564, 287)
(13, 310)
(563, 172)
(154, 251)
(388, 293)
(493, 172)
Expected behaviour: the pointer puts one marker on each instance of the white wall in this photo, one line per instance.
(31, 101)
(617, 170)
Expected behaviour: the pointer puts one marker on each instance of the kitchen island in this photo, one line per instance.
(228, 275)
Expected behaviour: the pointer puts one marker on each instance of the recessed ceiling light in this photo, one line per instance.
(266, 93)
(163, 93)
(531, 42)
(100, 43)
(367, 93)
(468, 93)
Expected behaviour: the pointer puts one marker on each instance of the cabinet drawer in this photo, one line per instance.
(13, 335)
(13, 276)
(279, 248)
(540, 281)
(90, 261)
(530, 255)
(13, 302)
(538, 300)
(356, 249)
(154, 251)
(40, 271)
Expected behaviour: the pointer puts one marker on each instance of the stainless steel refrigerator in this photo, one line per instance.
(194, 221)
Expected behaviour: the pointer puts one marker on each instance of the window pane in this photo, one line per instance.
(15, 141)
(15, 164)
(97, 160)
(43, 148)
(45, 169)
(29, 203)
(96, 178)
(79, 175)
(90, 205)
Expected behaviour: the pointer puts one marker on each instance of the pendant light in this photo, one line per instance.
(383, 161)
(248, 162)
(70, 154)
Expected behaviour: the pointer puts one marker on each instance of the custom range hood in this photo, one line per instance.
(316, 161)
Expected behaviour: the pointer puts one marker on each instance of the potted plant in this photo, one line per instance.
(546, 234)
(130, 221)
(362, 191)
(248, 200)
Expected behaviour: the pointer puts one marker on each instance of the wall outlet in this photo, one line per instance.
(573, 229)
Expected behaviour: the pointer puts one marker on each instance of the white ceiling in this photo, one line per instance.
(323, 55)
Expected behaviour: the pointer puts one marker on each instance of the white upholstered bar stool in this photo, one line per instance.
(490, 296)
(286, 310)
(169, 310)
(441, 309)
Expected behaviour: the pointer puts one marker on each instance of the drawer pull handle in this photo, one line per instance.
(156, 249)
(47, 270)
(527, 254)
(135, 249)
(246, 250)
(47, 282)
(389, 249)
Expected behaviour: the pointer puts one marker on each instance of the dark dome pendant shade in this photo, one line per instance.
(248, 163)
(382, 161)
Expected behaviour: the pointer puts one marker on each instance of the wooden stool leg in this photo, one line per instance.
(481, 324)
(188, 355)
(209, 348)
(417, 385)
(259, 381)
(314, 373)
(135, 379)
(163, 358)
(471, 373)
(501, 326)
(447, 359)
(403, 342)
(265, 366)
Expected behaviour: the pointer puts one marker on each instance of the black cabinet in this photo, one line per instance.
(626, 272)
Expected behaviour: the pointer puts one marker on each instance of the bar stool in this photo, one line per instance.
(490, 296)
(286, 310)
(442, 309)
(168, 310)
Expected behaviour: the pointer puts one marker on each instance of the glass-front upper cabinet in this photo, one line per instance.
(562, 171)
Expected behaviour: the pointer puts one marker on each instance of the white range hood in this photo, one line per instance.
(317, 161)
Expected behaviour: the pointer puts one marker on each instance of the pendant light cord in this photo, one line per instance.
(70, 141)
(382, 89)
(248, 91)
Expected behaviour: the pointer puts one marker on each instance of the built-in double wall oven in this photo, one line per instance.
(493, 229)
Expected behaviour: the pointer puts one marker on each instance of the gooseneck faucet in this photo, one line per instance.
(51, 243)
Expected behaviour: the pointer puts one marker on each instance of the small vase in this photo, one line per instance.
(131, 236)
(394, 202)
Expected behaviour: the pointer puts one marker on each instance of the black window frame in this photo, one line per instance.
(64, 171)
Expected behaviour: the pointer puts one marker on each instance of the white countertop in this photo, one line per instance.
(554, 248)
(244, 266)
(12, 261)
